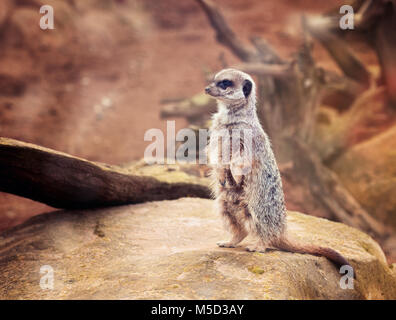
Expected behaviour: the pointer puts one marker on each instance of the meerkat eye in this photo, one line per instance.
(224, 84)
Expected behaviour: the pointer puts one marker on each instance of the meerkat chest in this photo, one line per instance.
(227, 143)
(220, 148)
(225, 150)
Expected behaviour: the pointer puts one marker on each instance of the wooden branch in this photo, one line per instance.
(36, 4)
(339, 91)
(340, 52)
(374, 22)
(366, 15)
(329, 193)
(6, 10)
(261, 69)
(362, 12)
(340, 83)
(224, 33)
(200, 106)
(265, 50)
(385, 40)
(63, 181)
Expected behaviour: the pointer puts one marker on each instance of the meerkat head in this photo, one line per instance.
(231, 85)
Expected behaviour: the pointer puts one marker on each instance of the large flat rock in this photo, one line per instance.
(167, 250)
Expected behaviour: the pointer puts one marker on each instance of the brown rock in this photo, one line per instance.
(368, 170)
(167, 250)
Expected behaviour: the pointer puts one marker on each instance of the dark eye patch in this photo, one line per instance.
(224, 84)
(247, 87)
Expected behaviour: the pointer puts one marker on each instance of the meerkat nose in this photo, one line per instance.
(207, 89)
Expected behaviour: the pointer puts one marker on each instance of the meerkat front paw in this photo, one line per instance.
(221, 176)
(238, 179)
(239, 169)
(225, 244)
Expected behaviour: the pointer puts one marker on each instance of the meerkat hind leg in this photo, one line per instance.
(236, 238)
(259, 246)
(238, 234)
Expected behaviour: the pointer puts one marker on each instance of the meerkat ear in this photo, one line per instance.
(247, 87)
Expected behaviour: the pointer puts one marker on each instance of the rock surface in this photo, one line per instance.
(167, 250)
(368, 171)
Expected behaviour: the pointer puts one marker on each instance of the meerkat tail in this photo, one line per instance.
(292, 246)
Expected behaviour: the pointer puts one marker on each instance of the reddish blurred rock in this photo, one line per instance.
(368, 170)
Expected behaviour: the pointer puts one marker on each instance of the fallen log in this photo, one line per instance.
(64, 181)
(199, 107)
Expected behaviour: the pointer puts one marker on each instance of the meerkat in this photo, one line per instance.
(247, 185)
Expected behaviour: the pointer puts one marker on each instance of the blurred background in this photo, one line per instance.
(96, 83)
